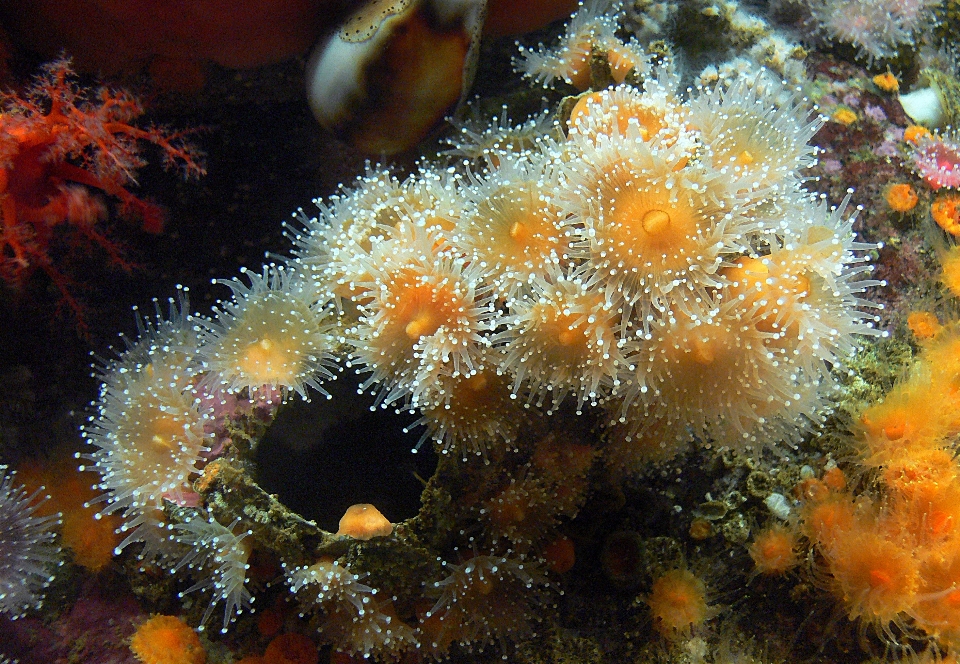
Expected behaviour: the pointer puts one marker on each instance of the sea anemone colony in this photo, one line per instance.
(651, 261)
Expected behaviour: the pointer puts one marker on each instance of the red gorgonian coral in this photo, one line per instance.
(58, 143)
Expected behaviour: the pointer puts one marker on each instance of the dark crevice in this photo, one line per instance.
(322, 456)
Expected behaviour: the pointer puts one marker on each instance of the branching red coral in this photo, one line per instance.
(58, 143)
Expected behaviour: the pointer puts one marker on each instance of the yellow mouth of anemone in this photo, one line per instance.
(267, 361)
(648, 225)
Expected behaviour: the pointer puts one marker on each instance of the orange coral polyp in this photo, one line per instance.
(642, 222)
(945, 210)
(266, 362)
(566, 336)
(678, 603)
(483, 600)
(515, 229)
(811, 489)
(938, 610)
(577, 64)
(582, 108)
(622, 61)
(915, 415)
(470, 413)
(533, 233)
(425, 318)
(920, 474)
(923, 324)
(901, 197)
(167, 640)
(622, 181)
(272, 335)
(162, 434)
(508, 510)
(877, 579)
(569, 331)
(835, 479)
(774, 550)
(824, 520)
(892, 424)
(691, 368)
(778, 286)
(90, 539)
(930, 516)
(419, 308)
(562, 339)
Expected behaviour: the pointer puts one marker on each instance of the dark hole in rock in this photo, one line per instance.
(323, 456)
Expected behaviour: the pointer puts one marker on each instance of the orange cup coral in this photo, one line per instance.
(167, 640)
(901, 197)
(774, 550)
(678, 603)
(945, 210)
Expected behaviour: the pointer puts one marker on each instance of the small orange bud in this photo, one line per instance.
(774, 551)
(678, 603)
(886, 82)
(167, 639)
(811, 489)
(844, 116)
(914, 133)
(701, 529)
(835, 479)
(902, 197)
(923, 324)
